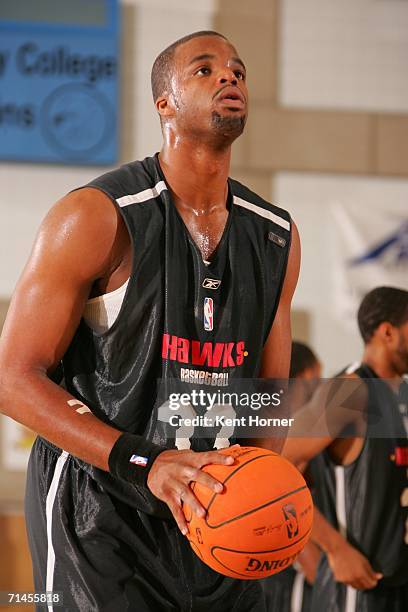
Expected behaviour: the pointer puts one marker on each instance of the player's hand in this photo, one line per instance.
(308, 560)
(352, 568)
(171, 474)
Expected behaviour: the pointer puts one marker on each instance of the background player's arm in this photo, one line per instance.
(344, 403)
(336, 404)
(308, 561)
(346, 562)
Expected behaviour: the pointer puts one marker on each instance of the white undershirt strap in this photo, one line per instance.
(101, 312)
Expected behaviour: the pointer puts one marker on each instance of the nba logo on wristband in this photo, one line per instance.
(208, 314)
(138, 460)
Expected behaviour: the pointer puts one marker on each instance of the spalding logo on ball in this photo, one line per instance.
(260, 522)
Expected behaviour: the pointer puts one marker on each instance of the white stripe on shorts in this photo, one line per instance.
(296, 600)
(351, 594)
(49, 506)
(351, 600)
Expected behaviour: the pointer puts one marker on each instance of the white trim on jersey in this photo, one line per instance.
(341, 500)
(353, 367)
(266, 214)
(49, 506)
(142, 196)
(351, 594)
(296, 599)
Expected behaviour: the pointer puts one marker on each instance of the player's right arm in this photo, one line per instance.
(76, 245)
(81, 241)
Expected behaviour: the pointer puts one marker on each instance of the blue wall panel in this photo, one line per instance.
(59, 89)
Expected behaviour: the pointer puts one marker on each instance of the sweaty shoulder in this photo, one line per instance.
(83, 229)
(248, 199)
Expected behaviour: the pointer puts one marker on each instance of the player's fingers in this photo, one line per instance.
(187, 496)
(370, 583)
(366, 582)
(209, 481)
(371, 576)
(177, 512)
(213, 457)
(193, 474)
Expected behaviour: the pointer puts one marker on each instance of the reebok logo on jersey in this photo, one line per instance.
(211, 354)
(211, 283)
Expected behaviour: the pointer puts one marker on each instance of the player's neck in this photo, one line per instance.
(378, 361)
(197, 176)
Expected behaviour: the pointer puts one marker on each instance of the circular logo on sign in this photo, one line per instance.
(76, 120)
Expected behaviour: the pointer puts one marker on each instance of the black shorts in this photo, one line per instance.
(287, 591)
(102, 554)
(337, 597)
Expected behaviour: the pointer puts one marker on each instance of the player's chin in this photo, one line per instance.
(229, 122)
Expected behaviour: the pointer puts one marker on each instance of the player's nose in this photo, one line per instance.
(227, 76)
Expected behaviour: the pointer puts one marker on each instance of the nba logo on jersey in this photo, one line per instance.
(138, 460)
(208, 314)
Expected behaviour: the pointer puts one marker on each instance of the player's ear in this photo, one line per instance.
(165, 106)
(386, 331)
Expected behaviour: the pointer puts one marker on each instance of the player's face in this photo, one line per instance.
(311, 377)
(209, 88)
(400, 356)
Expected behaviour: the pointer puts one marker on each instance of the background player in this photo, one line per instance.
(290, 590)
(98, 530)
(361, 479)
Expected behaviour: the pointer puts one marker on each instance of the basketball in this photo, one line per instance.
(259, 523)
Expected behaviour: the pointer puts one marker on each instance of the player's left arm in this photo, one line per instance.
(277, 349)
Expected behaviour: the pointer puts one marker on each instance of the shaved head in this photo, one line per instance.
(163, 64)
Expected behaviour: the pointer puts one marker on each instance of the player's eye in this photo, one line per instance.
(240, 75)
(204, 70)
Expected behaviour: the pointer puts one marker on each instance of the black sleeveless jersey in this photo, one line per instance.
(364, 499)
(180, 319)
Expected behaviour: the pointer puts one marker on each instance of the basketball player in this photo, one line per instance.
(290, 590)
(362, 478)
(162, 270)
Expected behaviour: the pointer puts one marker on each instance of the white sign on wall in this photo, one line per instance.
(371, 250)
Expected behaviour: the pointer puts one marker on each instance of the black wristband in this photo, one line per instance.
(131, 458)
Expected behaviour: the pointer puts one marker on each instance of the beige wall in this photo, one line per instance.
(301, 139)
(304, 141)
